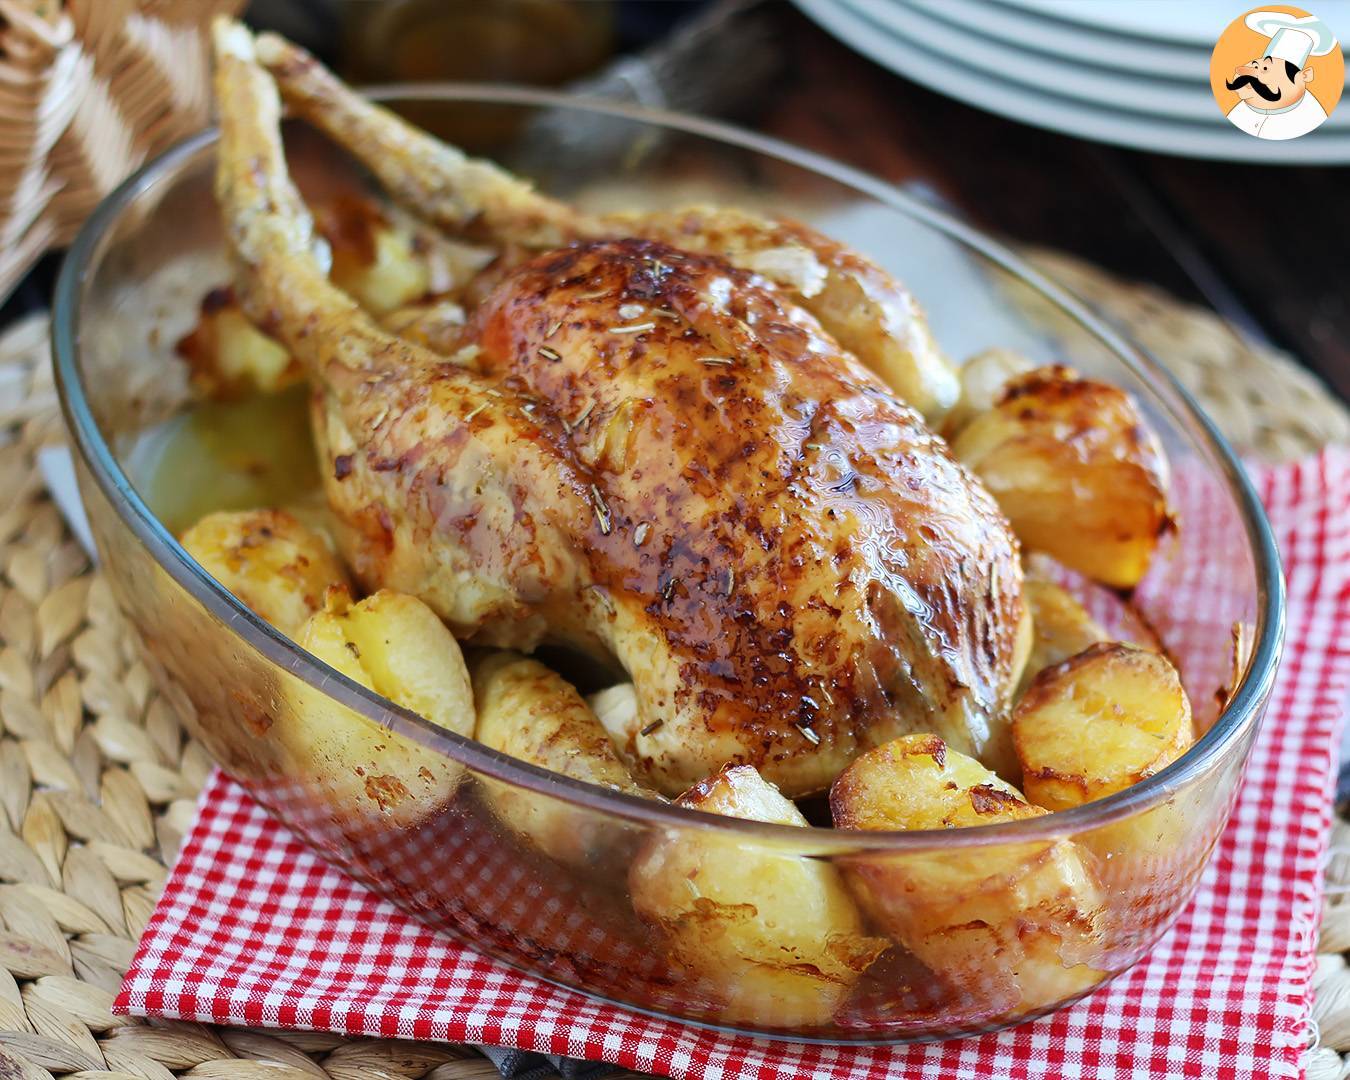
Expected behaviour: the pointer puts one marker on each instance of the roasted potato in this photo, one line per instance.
(982, 380)
(918, 782)
(1060, 627)
(1076, 469)
(775, 937)
(1244, 639)
(395, 277)
(1093, 724)
(229, 357)
(376, 257)
(269, 560)
(395, 645)
(438, 325)
(1098, 722)
(616, 708)
(1015, 922)
(534, 714)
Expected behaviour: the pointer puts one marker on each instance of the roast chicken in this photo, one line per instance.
(691, 443)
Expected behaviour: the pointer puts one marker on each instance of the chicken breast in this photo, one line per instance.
(797, 568)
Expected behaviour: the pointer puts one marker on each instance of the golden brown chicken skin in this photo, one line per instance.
(796, 567)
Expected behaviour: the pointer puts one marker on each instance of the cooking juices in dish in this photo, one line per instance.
(801, 569)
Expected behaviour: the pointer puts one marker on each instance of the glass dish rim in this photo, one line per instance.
(97, 456)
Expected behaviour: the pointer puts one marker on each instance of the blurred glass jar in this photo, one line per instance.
(538, 42)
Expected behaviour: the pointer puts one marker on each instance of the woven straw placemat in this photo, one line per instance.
(88, 90)
(98, 778)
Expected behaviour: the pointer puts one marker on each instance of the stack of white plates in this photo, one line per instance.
(1130, 72)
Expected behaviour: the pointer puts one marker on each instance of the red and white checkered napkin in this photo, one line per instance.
(254, 929)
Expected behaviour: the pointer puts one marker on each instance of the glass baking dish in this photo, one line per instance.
(131, 284)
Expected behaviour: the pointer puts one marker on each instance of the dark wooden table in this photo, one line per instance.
(1265, 246)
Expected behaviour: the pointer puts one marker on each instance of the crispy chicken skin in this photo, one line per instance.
(655, 456)
(861, 306)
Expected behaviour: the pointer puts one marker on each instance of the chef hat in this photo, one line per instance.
(1292, 38)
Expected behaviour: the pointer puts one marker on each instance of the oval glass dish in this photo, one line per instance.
(131, 287)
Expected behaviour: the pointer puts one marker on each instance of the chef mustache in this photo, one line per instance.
(1256, 84)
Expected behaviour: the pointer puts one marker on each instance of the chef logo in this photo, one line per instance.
(1277, 72)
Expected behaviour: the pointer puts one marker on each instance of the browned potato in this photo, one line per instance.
(616, 708)
(1016, 921)
(918, 782)
(776, 937)
(1093, 724)
(1061, 627)
(1076, 469)
(438, 325)
(269, 560)
(1243, 639)
(982, 379)
(1098, 722)
(395, 645)
(376, 256)
(230, 357)
(534, 714)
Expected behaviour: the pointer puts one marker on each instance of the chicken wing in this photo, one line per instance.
(658, 456)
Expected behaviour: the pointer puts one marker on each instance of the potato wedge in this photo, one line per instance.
(229, 357)
(1098, 722)
(982, 379)
(269, 560)
(395, 645)
(1076, 469)
(1014, 924)
(775, 938)
(1060, 627)
(532, 713)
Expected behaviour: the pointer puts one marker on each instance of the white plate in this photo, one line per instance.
(1194, 22)
(933, 22)
(1005, 97)
(1074, 42)
(929, 26)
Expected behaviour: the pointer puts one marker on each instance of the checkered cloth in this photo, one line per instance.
(253, 929)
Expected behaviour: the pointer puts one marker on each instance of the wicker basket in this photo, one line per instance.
(88, 90)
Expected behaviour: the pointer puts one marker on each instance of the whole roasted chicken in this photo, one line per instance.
(691, 442)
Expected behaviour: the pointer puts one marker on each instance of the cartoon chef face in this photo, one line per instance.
(1270, 83)
(1273, 101)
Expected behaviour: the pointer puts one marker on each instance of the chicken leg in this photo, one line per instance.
(485, 471)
